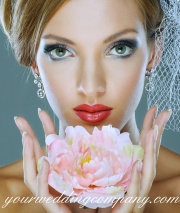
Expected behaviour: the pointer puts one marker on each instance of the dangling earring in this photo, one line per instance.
(149, 85)
(38, 81)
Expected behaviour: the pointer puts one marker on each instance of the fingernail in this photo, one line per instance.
(169, 115)
(139, 167)
(15, 120)
(155, 133)
(40, 163)
(156, 111)
(39, 109)
(23, 134)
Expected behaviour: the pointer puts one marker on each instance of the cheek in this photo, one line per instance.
(57, 81)
(134, 84)
(127, 79)
(126, 85)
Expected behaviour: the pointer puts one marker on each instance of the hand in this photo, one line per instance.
(143, 175)
(140, 183)
(32, 152)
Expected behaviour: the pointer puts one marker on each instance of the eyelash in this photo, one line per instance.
(131, 44)
(51, 47)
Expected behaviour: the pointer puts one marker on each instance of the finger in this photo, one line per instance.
(133, 191)
(42, 188)
(152, 145)
(43, 191)
(150, 121)
(149, 163)
(29, 162)
(147, 124)
(24, 126)
(48, 125)
(161, 121)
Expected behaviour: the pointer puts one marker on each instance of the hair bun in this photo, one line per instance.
(23, 22)
(6, 15)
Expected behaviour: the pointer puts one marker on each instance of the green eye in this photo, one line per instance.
(60, 52)
(121, 49)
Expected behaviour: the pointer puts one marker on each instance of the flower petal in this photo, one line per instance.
(50, 138)
(108, 181)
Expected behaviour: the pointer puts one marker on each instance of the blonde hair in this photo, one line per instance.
(152, 15)
(23, 22)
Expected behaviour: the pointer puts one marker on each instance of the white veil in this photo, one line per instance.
(165, 78)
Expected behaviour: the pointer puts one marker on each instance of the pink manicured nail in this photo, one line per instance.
(156, 111)
(155, 133)
(139, 167)
(39, 109)
(39, 114)
(169, 115)
(23, 134)
(16, 121)
(40, 163)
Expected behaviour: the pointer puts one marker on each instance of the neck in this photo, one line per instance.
(132, 128)
(61, 129)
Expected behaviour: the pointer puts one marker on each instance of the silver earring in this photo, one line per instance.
(149, 85)
(38, 81)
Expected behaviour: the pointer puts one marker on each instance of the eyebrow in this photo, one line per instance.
(118, 34)
(58, 38)
(107, 40)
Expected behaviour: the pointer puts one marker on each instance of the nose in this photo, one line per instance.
(91, 81)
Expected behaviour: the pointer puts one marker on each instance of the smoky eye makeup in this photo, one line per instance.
(58, 52)
(122, 48)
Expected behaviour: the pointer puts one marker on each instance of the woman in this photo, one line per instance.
(92, 57)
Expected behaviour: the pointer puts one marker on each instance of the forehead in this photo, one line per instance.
(94, 18)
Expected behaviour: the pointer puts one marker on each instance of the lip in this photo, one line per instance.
(93, 113)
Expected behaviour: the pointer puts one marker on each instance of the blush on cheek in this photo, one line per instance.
(137, 90)
(134, 92)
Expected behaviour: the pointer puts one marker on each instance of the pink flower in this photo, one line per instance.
(97, 165)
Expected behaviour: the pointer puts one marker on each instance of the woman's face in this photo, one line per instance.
(94, 52)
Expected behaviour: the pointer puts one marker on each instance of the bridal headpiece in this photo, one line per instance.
(165, 78)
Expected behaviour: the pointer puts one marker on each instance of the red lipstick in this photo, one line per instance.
(93, 113)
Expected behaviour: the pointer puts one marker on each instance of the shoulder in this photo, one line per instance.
(11, 185)
(13, 189)
(167, 164)
(165, 191)
(12, 170)
(11, 179)
(164, 196)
